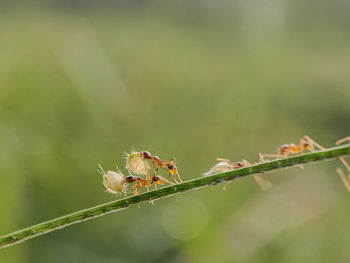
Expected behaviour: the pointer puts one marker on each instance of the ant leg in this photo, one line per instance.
(170, 176)
(261, 158)
(225, 186)
(343, 177)
(148, 173)
(176, 182)
(246, 163)
(347, 166)
(343, 140)
(341, 158)
(277, 156)
(264, 184)
(134, 190)
(178, 175)
(161, 177)
(313, 142)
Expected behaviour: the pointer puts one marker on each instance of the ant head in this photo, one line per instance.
(146, 155)
(129, 179)
(171, 167)
(308, 146)
(239, 164)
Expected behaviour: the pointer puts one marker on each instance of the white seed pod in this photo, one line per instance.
(218, 168)
(113, 181)
(136, 163)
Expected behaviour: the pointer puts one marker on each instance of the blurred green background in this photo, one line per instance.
(83, 82)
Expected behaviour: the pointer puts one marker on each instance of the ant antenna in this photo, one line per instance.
(343, 177)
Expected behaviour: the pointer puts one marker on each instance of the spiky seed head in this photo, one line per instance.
(219, 167)
(114, 182)
(136, 163)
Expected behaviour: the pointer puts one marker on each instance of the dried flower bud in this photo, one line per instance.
(136, 163)
(218, 168)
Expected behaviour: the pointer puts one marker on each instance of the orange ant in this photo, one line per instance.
(306, 143)
(116, 182)
(346, 180)
(141, 182)
(170, 166)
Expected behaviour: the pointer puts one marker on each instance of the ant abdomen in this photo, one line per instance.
(238, 165)
(308, 146)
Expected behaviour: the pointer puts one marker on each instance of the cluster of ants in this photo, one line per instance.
(306, 143)
(143, 168)
(143, 172)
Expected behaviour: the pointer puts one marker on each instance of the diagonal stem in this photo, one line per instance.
(100, 210)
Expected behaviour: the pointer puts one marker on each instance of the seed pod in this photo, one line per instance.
(113, 181)
(136, 163)
(219, 167)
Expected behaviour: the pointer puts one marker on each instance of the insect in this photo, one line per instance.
(140, 173)
(136, 162)
(306, 143)
(116, 183)
(139, 183)
(346, 179)
(227, 165)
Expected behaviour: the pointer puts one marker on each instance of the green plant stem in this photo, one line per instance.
(100, 210)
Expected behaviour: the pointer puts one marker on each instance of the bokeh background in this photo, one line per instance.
(81, 82)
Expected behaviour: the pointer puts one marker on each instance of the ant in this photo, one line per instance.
(264, 184)
(116, 182)
(346, 180)
(141, 182)
(306, 143)
(227, 165)
(170, 166)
